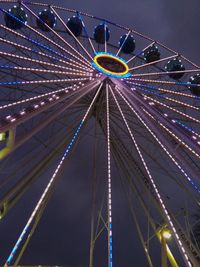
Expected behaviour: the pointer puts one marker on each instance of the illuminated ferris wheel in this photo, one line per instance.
(62, 70)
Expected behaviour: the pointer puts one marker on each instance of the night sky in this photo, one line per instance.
(62, 237)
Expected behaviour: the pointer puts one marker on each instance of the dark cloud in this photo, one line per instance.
(174, 23)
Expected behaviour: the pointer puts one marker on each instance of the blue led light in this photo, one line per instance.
(114, 75)
(196, 186)
(24, 232)
(32, 40)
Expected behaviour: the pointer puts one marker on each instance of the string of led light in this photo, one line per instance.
(194, 185)
(167, 216)
(83, 60)
(67, 60)
(48, 39)
(73, 87)
(162, 82)
(152, 63)
(110, 237)
(35, 61)
(165, 73)
(71, 33)
(138, 54)
(168, 98)
(164, 90)
(166, 115)
(50, 184)
(45, 81)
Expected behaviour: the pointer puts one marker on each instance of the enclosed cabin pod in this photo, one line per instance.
(16, 18)
(75, 26)
(46, 16)
(127, 43)
(101, 33)
(175, 65)
(195, 81)
(151, 54)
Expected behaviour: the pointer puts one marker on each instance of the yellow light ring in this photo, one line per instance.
(106, 71)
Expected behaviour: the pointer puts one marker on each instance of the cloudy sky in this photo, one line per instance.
(172, 22)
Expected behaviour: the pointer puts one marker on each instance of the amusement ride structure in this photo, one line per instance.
(62, 70)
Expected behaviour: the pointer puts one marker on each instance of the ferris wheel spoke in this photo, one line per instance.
(105, 37)
(71, 33)
(43, 46)
(109, 196)
(50, 184)
(36, 61)
(182, 104)
(120, 49)
(171, 123)
(37, 108)
(79, 56)
(34, 70)
(177, 138)
(140, 53)
(152, 63)
(151, 87)
(21, 139)
(57, 81)
(159, 198)
(70, 63)
(164, 73)
(86, 33)
(27, 100)
(188, 117)
(168, 148)
(163, 82)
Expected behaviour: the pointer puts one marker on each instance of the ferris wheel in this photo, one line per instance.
(62, 70)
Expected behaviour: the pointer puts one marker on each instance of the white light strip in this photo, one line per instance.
(73, 73)
(152, 63)
(173, 109)
(163, 90)
(50, 184)
(71, 33)
(161, 144)
(127, 35)
(68, 61)
(132, 58)
(110, 237)
(83, 60)
(75, 86)
(167, 216)
(34, 60)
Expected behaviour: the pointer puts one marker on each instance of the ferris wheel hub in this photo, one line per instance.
(111, 65)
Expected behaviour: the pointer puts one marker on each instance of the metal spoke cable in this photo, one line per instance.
(79, 56)
(139, 53)
(27, 100)
(46, 38)
(71, 33)
(86, 33)
(163, 90)
(50, 184)
(45, 81)
(66, 60)
(162, 82)
(110, 236)
(39, 62)
(194, 185)
(164, 73)
(166, 213)
(167, 98)
(151, 63)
